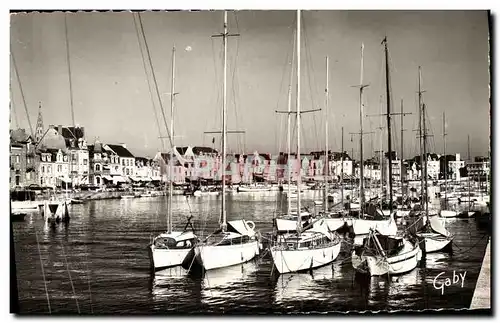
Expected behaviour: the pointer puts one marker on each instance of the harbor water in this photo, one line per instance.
(99, 263)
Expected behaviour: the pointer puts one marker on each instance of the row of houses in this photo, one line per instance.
(60, 157)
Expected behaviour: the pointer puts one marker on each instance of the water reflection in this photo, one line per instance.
(105, 245)
(228, 283)
(292, 287)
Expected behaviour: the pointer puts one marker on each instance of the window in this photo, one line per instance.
(127, 171)
(49, 169)
(123, 162)
(97, 180)
(43, 169)
(85, 161)
(73, 158)
(65, 158)
(98, 168)
(18, 179)
(59, 168)
(18, 158)
(28, 176)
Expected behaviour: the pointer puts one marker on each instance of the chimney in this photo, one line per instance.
(59, 129)
(457, 157)
(123, 145)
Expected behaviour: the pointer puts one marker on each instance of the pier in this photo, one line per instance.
(482, 293)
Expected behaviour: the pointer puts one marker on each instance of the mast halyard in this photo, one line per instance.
(388, 115)
(420, 135)
(224, 125)
(361, 114)
(224, 35)
(327, 168)
(402, 173)
(342, 170)
(172, 103)
(299, 178)
(445, 163)
(425, 160)
(289, 143)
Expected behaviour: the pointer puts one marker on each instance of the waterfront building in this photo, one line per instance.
(76, 145)
(54, 168)
(23, 160)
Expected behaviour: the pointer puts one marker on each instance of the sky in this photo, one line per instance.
(112, 100)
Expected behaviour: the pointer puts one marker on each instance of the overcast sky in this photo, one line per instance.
(112, 100)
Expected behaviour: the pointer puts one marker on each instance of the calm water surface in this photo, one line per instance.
(99, 264)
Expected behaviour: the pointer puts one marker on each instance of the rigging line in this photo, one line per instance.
(70, 279)
(69, 71)
(216, 84)
(235, 84)
(309, 72)
(155, 82)
(22, 92)
(162, 139)
(13, 109)
(43, 272)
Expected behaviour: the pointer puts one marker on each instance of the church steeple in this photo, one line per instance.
(39, 124)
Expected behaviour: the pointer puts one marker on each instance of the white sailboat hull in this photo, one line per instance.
(378, 265)
(448, 214)
(287, 261)
(211, 257)
(25, 205)
(434, 242)
(253, 189)
(166, 258)
(200, 193)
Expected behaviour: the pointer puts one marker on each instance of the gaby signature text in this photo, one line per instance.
(441, 281)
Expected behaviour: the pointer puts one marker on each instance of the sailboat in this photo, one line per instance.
(381, 252)
(235, 242)
(309, 247)
(169, 249)
(381, 255)
(435, 236)
(446, 213)
(363, 226)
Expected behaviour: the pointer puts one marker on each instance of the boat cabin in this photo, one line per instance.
(175, 240)
(390, 245)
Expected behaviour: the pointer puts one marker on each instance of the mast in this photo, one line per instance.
(445, 163)
(361, 175)
(327, 170)
(401, 172)
(388, 98)
(224, 94)
(420, 134)
(342, 170)
(425, 162)
(468, 175)
(299, 179)
(289, 148)
(172, 102)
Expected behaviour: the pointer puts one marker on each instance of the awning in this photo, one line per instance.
(64, 179)
(156, 178)
(107, 177)
(146, 179)
(135, 179)
(118, 179)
